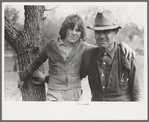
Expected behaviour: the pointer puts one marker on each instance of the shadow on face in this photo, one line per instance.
(105, 38)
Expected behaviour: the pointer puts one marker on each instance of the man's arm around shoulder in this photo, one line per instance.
(85, 60)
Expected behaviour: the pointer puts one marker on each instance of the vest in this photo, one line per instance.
(118, 89)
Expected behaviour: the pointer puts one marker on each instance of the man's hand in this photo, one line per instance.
(38, 77)
(129, 53)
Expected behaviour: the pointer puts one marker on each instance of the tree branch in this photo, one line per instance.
(51, 8)
(11, 34)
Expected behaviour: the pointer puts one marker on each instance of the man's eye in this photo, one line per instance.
(97, 32)
(107, 31)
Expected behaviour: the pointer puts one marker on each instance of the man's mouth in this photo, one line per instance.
(102, 42)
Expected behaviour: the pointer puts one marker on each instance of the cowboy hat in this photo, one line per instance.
(105, 21)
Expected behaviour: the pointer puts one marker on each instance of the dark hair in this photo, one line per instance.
(70, 23)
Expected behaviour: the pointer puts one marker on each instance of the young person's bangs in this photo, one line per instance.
(70, 23)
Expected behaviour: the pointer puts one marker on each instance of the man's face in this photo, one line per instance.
(73, 35)
(105, 38)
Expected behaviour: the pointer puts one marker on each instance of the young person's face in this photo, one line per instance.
(105, 38)
(73, 35)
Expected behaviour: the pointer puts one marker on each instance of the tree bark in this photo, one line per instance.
(27, 44)
(11, 34)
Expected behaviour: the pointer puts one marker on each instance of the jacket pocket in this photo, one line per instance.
(124, 81)
(53, 66)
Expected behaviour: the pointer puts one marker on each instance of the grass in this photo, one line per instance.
(12, 93)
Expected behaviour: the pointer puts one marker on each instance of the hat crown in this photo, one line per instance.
(105, 18)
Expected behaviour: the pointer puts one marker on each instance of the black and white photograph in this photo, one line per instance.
(74, 61)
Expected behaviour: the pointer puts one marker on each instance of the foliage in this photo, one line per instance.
(50, 31)
(11, 14)
(52, 25)
(133, 36)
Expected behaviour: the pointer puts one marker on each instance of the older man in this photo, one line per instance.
(111, 76)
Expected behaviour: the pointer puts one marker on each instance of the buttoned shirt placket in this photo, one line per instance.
(66, 51)
(104, 64)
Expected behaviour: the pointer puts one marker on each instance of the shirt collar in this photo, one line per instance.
(111, 53)
(60, 42)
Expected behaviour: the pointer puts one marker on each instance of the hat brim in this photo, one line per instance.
(104, 27)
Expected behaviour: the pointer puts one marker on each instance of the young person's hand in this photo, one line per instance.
(129, 53)
(38, 77)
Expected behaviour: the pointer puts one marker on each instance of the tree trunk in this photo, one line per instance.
(27, 45)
